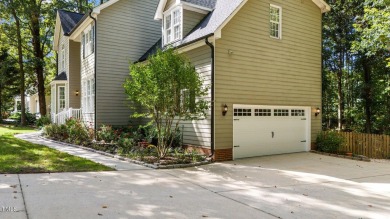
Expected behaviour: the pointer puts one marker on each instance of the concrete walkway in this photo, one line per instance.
(98, 158)
(302, 185)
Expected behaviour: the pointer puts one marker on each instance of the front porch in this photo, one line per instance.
(61, 117)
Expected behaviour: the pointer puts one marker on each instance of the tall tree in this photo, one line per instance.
(337, 40)
(371, 45)
(8, 79)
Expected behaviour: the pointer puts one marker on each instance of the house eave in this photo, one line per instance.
(57, 31)
(322, 5)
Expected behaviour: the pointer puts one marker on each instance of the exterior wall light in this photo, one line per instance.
(77, 93)
(225, 110)
(318, 110)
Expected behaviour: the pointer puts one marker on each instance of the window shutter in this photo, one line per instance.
(93, 39)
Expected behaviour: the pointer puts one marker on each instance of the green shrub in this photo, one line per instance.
(30, 118)
(44, 120)
(77, 131)
(330, 142)
(57, 132)
(106, 133)
(125, 145)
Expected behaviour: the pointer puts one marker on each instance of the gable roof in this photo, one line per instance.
(61, 77)
(69, 20)
(207, 26)
(203, 3)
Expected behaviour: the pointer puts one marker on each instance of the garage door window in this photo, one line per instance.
(262, 112)
(280, 112)
(297, 112)
(242, 112)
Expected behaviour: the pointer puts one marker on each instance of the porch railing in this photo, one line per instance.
(60, 118)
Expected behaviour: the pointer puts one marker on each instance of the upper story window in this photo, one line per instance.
(88, 42)
(63, 57)
(173, 25)
(275, 21)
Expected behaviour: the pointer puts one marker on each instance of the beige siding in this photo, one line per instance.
(169, 4)
(74, 75)
(125, 31)
(266, 71)
(198, 133)
(64, 40)
(190, 20)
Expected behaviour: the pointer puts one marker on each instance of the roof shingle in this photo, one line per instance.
(221, 11)
(69, 20)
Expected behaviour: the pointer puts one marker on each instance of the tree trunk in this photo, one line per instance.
(39, 56)
(367, 94)
(1, 103)
(340, 109)
(21, 66)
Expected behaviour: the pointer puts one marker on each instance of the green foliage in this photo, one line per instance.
(77, 132)
(43, 121)
(330, 142)
(106, 134)
(30, 118)
(169, 90)
(355, 80)
(73, 131)
(56, 132)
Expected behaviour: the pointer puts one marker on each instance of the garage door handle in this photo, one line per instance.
(273, 134)
(236, 146)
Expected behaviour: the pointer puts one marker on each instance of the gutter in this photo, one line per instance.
(212, 94)
(95, 54)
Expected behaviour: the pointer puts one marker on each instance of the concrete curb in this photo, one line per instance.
(152, 166)
(358, 157)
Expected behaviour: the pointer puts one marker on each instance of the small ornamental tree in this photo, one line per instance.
(169, 90)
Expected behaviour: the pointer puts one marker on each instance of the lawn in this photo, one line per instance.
(18, 156)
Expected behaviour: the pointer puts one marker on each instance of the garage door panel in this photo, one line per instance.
(274, 130)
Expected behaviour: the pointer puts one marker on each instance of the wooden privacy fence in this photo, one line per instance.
(369, 145)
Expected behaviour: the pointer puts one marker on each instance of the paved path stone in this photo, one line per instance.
(96, 157)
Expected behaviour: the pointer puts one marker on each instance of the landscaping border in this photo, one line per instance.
(358, 157)
(152, 166)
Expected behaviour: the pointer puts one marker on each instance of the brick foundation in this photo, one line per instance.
(219, 154)
(223, 154)
(313, 146)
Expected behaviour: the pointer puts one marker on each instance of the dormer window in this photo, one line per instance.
(173, 25)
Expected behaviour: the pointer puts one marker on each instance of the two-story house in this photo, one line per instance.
(262, 59)
(108, 37)
(65, 88)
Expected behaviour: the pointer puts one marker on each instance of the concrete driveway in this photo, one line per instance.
(302, 185)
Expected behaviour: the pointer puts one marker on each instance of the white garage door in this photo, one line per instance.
(266, 130)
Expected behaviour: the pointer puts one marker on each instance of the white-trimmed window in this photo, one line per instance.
(63, 58)
(275, 21)
(173, 25)
(88, 95)
(61, 98)
(88, 41)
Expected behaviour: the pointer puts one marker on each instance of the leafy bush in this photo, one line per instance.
(57, 132)
(330, 142)
(106, 134)
(125, 145)
(44, 120)
(77, 131)
(73, 131)
(30, 118)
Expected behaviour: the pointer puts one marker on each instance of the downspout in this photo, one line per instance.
(212, 94)
(95, 56)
